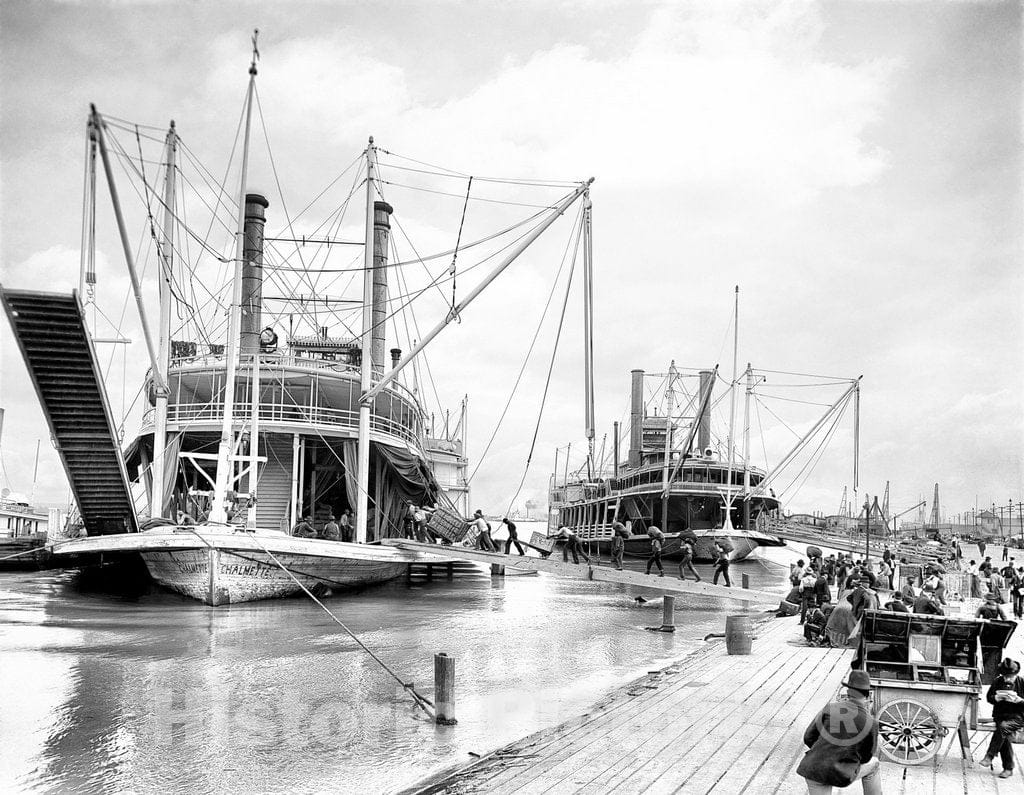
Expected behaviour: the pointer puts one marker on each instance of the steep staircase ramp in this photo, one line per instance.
(275, 486)
(58, 352)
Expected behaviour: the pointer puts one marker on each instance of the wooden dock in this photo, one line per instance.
(710, 723)
(668, 584)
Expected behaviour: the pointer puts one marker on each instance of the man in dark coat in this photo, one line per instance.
(927, 604)
(842, 741)
(1006, 695)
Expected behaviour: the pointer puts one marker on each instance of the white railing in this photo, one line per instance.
(281, 361)
(290, 414)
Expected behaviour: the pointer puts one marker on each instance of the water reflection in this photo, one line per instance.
(155, 692)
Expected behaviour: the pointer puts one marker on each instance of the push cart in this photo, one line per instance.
(927, 674)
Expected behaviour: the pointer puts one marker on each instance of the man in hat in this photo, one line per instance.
(1006, 695)
(484, 540)
(927, 604)
(304, 528)
(897, 605)
(814, 629)
(841, 742)
(909, 592)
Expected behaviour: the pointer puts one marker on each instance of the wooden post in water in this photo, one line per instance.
(497, 570)
(745, 580)
(444, 690)
(668, 621)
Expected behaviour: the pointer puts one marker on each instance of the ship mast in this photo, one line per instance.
(666, 464)
(225, 450)
(166, 251)
(588, 331)
(732, 411)
(366, 367)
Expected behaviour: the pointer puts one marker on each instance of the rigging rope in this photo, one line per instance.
(551, 367)
(455, 253)
(529, 352)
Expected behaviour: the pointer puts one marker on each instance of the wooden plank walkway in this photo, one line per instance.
(666, 585)
(710, 723)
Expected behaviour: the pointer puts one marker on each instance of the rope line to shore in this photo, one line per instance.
(421, 701)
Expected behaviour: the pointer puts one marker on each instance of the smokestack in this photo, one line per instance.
(704, 421)
(252, 274)
(636, 427)
(381, 232)
(396, 357)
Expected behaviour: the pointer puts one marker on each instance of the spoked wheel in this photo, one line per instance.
(908, 732)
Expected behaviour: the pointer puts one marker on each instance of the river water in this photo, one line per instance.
(152, 692)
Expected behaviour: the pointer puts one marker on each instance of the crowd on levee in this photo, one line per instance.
(843, 738)
(858, 585)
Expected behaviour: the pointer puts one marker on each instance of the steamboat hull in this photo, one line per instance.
(220, 567)
(671, 548)
(224, 576)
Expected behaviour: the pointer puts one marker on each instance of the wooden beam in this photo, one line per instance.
(669, 585)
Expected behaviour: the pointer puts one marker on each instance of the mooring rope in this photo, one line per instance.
(421, 701)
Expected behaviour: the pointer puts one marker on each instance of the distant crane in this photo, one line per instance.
(901, 513)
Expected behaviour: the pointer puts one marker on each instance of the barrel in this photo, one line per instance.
(739, 633)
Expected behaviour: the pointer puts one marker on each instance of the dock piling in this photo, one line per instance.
(668, 621)
(497, 570)
(444, 690)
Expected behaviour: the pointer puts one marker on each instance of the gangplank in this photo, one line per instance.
(666, 585)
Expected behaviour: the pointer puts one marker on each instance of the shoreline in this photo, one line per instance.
(518, 750)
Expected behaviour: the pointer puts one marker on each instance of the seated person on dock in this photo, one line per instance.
(897, 605)
(814, 628)
(841, 742)
(1006, 695)
(841, 623)
(304, 528)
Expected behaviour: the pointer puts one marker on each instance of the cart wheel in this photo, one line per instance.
(909, 732)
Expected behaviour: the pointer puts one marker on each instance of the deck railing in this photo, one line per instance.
(290, 414)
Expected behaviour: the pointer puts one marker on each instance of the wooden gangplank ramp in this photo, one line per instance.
(666, 585)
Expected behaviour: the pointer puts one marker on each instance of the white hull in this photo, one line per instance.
(219, 567)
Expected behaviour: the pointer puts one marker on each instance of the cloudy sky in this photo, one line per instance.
(853, 166)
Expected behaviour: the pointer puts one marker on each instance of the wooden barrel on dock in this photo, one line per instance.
(739, 634)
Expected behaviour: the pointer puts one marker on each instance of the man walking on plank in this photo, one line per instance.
(686, 561)
(619, 536)
(655, 559)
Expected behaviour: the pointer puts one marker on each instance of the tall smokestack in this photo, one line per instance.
(636, 427)
(396, 357)
(252, 274)
(704, 421)
(381, 233)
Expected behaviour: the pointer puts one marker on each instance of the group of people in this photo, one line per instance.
(1005, 583)
(334, 529)
(485, 541)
